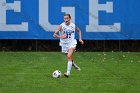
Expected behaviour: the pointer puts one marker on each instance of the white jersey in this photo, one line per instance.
(69, 32)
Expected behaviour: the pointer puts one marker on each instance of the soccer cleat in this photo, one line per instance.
(65, 74)
(77, 68)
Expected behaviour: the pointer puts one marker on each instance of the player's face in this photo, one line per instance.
(67, 20)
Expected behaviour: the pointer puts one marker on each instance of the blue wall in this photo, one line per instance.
(33, 14)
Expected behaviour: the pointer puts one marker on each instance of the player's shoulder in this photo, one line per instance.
(62, 24)
(72, 24)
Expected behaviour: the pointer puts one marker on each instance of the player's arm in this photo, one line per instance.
(80, 35)
(56, 33)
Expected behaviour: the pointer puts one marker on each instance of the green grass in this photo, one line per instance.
(101, 72)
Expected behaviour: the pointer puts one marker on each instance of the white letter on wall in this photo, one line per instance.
(10, 6)
(44, 15)
(94, 9)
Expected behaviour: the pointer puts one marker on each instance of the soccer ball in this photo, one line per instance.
(56, 74)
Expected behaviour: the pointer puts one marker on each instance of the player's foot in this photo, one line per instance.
(77, 68)
(65, 74)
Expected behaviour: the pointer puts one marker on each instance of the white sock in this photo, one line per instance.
(74, 64)
(69, 67)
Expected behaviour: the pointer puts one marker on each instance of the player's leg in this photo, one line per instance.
(75, 66)
(69, 54)
(69, 58)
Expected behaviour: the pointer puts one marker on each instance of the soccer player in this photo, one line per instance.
(66, 33)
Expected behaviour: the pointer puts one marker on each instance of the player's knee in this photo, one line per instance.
(69, 57)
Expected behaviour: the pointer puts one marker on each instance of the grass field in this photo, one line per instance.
(101, 72)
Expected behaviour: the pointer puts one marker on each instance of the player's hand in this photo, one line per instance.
(63, 37)
(81, 41)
